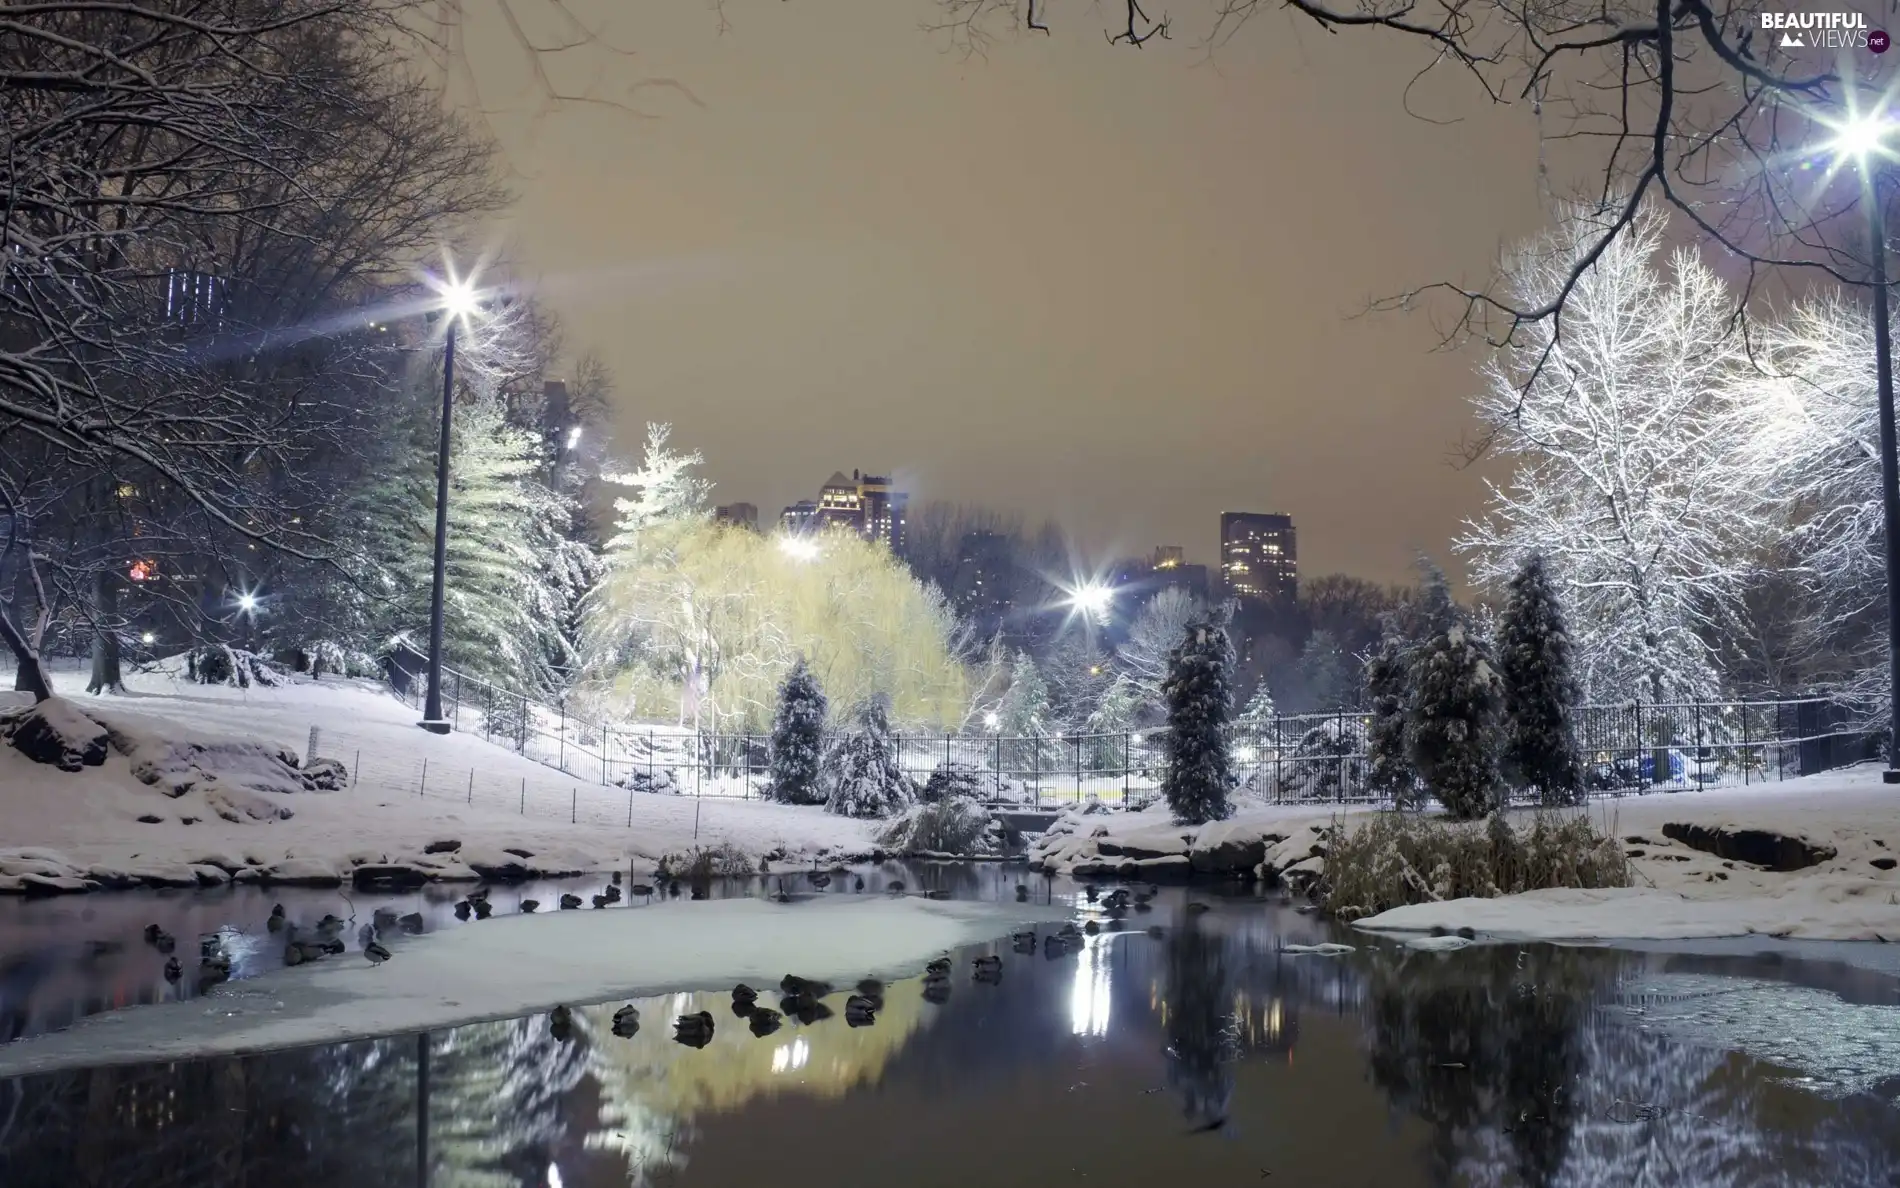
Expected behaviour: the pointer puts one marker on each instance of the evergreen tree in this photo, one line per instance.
(1451, 721)
(1110, 722)
(797, 738)
(1540, 744)
(1388, 768)
(1260, 711)
(1200, 698)
(862, 772)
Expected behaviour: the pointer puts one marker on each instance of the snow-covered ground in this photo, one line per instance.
(1844, 826)
(512, 965)
(410, 791)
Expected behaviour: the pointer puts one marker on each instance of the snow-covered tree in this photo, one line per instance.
(1388, 692)
(1260, 711)
(1023, 715)
(665, 487)
(1077, 673)
(1451, 722)
(1807, 420)
(1200, 698)
(1625, 478)
(798, 733)
(862, 776)
(1152, 637)
(1109, 724)
(1533, 651)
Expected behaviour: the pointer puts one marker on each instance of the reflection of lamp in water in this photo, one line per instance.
(1089, 1000)
(791, 1057)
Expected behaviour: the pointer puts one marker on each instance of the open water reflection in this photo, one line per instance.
(1201, 1055)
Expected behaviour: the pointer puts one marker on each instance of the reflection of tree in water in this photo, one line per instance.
(496, 1098)
(1526, 1079)
(1202, 1040)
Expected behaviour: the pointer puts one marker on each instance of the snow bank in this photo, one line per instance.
(1149, 845)
(201, 785)
(516, 965)
(1839, 831)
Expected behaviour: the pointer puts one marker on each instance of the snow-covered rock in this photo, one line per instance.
(55, 732)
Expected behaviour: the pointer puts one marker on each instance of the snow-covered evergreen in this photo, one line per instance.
(1451, 722)
(1326, 673)
(1022, 717)
(1200, 697)
(1260, 712)
(1108, 726)
(862, 777)
(1388, 767)
(798, 732)
(1533, 650)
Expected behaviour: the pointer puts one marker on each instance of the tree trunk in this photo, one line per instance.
(106, 677)
(30, 675)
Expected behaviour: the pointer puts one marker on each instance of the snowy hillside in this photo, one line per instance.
(409, 792)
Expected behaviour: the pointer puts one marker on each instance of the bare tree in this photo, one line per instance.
(1687, 105)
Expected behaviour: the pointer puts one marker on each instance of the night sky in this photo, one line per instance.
(1115, 288)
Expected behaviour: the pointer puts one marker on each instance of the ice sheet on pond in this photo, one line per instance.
(516, 965)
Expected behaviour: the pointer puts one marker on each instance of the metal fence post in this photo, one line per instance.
(423, 787)
(455, 715)
(1128, 753)
(1078, 768)
(560, 761)
(606, 734)
(1697, 707)
(996, 768)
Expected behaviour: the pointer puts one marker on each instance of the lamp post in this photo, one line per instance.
(1863, 136)
(458, 300)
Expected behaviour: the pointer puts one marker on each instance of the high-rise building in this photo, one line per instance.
(739, 515)
(1168, 557)
(864, 504)
(1259, 557)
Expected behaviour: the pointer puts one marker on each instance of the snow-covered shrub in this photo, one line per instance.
(1394, 859)
(861, 774)
(1388, 768)
(1328, 763)
(54, 732)
(957, 825)
(220, 664)
(1199, 693)
(798, 733)
(954, 779)
(660, 781)
(326, 775)
(1540, 694)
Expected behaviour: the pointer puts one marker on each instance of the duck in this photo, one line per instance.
(937, 988)
(375, 952)
(159, 939)
(1022, 893)
(673, 889)
(616, 878)
(700, 891)
(626, 1021)
(483, 909)
(781, 896)
(334, 946)
(1157, 931)
(570, 902)
(1195, 907)
(214, 969)
(383, 917)
(173, 970)
(938, 967)
(298, 952)
(764, 1021)
(611, 892)
(895, 887)
(1146, 894)
(462, 910)
(695, 1031)
(329, 923)
(860, 1011)
(793, 984)
(820, 879)
(988, 965)
(366, 935)
(1091, 928)
(642, 890)
(530, 906)
(1057, 945)
(743, 993)
(934, 893)
(478, 895)
(857, 883)
(276, 920)
(210, 945)
(1143, 905)
(1091, 893)
(1023, 942)
(561, 1023)
(1070, 931)
(873, 989)
(601, 901)
(411, 923)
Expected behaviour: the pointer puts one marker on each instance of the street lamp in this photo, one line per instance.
(1863, 137)
(798, 548)
(1092, 601)
(458, 300)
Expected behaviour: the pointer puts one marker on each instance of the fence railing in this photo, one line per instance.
(1298, 758)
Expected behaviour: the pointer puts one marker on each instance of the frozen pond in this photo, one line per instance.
(1168, 1046)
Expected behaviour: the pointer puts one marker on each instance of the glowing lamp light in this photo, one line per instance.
(1860, 136)
(458, 298)
(140, 571)
(992, 719)
(247, 602)
(798, 548)
(148, 639)
(1092, 600)
(573, 437)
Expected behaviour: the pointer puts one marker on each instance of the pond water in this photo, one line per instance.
(1172, 1046)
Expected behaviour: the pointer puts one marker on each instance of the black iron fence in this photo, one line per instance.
(1306, 758)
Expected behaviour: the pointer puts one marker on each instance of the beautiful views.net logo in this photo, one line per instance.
(1824, 30)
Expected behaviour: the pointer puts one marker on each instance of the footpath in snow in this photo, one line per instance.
(200, 785)
(513, 965)
(1810, 858)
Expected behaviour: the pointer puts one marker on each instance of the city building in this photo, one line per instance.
(865, 504)
(1168, 557)
(1259, 557)
(739, 515)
